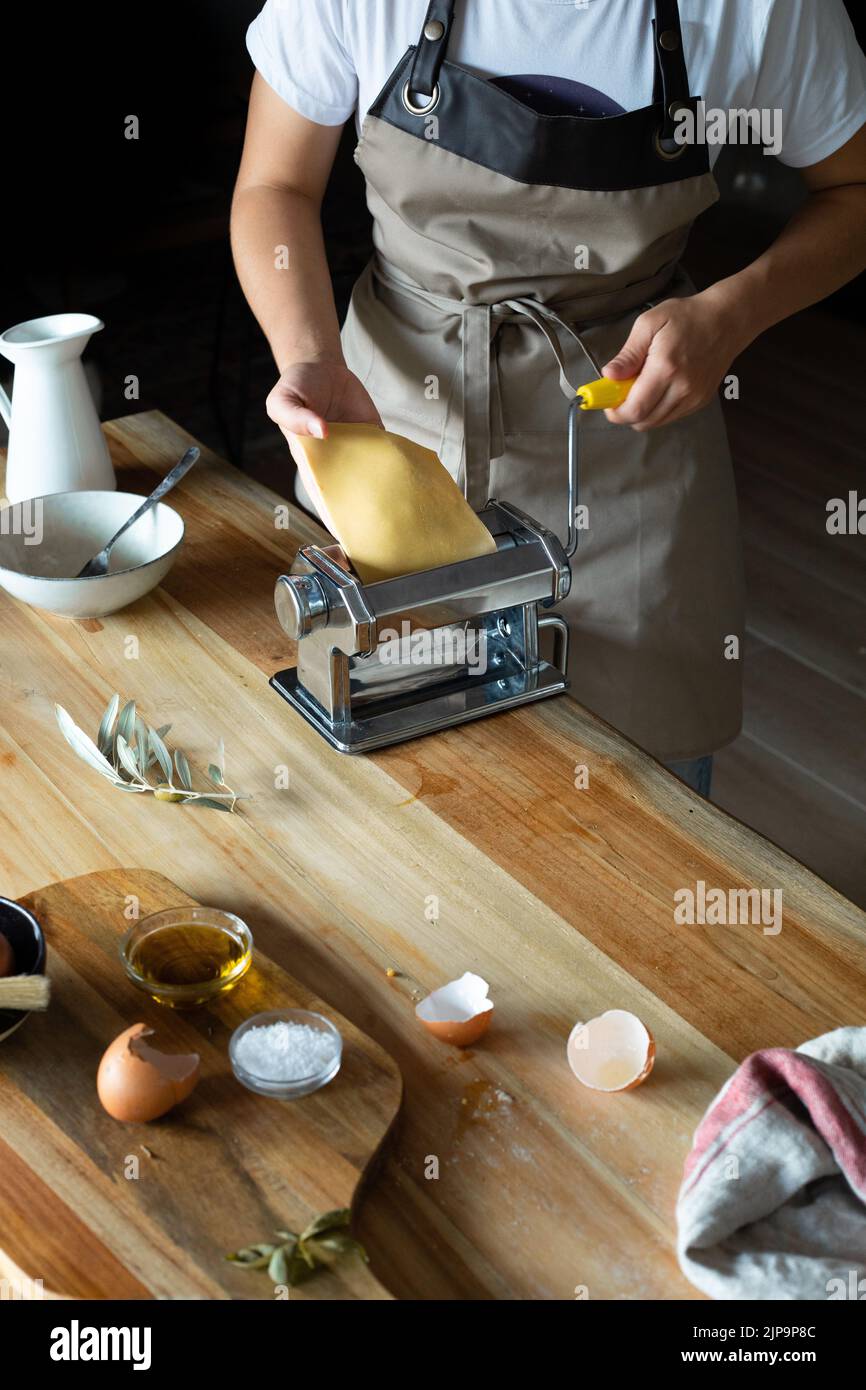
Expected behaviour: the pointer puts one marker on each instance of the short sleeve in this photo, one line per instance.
(298, 47)
(813, 70)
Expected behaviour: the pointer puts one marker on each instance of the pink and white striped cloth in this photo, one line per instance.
(773, 1201)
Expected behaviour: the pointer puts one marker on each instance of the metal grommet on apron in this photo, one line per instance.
(474, 323)
(425, 108)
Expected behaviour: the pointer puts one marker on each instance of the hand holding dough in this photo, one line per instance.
(391, 504)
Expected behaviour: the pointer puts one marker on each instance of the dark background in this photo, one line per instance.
(136, 232)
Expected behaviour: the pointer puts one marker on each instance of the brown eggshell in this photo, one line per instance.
(601, 1049)
(459, 1012)
(459, 1034)
(648, 1066)
(7, 957)
(136, 1083)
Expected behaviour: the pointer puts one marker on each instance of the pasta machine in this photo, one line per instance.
(381, 663)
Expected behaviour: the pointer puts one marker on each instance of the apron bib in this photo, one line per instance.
(513, 253)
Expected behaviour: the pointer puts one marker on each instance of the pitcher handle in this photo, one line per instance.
(5, 408)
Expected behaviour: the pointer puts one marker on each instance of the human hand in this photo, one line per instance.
(310, 394)
(680, 352)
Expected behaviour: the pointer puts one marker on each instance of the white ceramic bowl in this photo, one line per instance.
(74, 526)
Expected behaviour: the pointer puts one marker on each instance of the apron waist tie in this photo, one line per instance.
(473, 433)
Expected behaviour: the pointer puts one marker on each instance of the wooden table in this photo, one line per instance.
(471, 850)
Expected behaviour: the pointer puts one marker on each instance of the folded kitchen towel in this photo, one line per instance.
(773, 1201)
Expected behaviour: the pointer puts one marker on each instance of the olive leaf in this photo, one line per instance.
(84, 746)
(299, 1269)
(160, 752)
(199, 800)
(104, 738)
(328, 1221)
(142, 749)
(306, 1253)
(340, 1243)
(126, 721)
(253, 1256)
(183, 772)
(127, 757)
(278, 1269)
(216, 769)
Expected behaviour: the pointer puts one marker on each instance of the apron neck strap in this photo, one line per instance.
(671, 75)
(432, 46)
(671, 87)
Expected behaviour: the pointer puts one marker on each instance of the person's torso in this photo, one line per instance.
(565, 57)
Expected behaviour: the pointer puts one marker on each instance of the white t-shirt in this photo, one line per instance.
(330, 58)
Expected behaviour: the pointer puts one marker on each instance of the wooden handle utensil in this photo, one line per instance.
(28, 992)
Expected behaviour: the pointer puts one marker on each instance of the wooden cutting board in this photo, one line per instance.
(98, 1209)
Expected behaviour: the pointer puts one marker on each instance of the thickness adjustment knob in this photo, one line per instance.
(300, 603)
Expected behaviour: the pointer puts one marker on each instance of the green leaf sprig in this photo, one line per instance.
(296, 1257)
(126, 749)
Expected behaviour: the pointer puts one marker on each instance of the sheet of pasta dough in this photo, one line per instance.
(391, 504)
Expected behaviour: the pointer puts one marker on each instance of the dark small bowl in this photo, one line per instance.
(24, 935)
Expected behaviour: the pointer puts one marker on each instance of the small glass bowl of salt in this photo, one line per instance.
(285, 1053)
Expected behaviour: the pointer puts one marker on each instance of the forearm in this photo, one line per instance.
(822, 248)
(680, 350)
(289, 291)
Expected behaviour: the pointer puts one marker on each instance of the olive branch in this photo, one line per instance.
(296, 1257)
(126, 749)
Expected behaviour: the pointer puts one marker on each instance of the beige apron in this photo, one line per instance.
(473, 323)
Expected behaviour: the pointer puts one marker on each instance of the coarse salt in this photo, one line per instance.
(285, 1051)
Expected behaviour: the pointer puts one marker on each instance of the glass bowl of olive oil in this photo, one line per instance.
(186, 956)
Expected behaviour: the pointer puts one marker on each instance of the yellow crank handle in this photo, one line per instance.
(604, 394)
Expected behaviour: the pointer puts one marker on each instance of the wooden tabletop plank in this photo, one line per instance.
(562, 899)
(64, 1237)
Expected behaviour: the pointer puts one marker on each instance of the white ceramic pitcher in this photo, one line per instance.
(56, 443)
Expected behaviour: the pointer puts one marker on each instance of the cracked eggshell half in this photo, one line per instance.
(614, 1052)
(459, 1012)
(137, 1083)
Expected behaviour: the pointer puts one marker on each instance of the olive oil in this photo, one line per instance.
(189, 958)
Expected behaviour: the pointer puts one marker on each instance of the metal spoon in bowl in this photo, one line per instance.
(99, 564)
